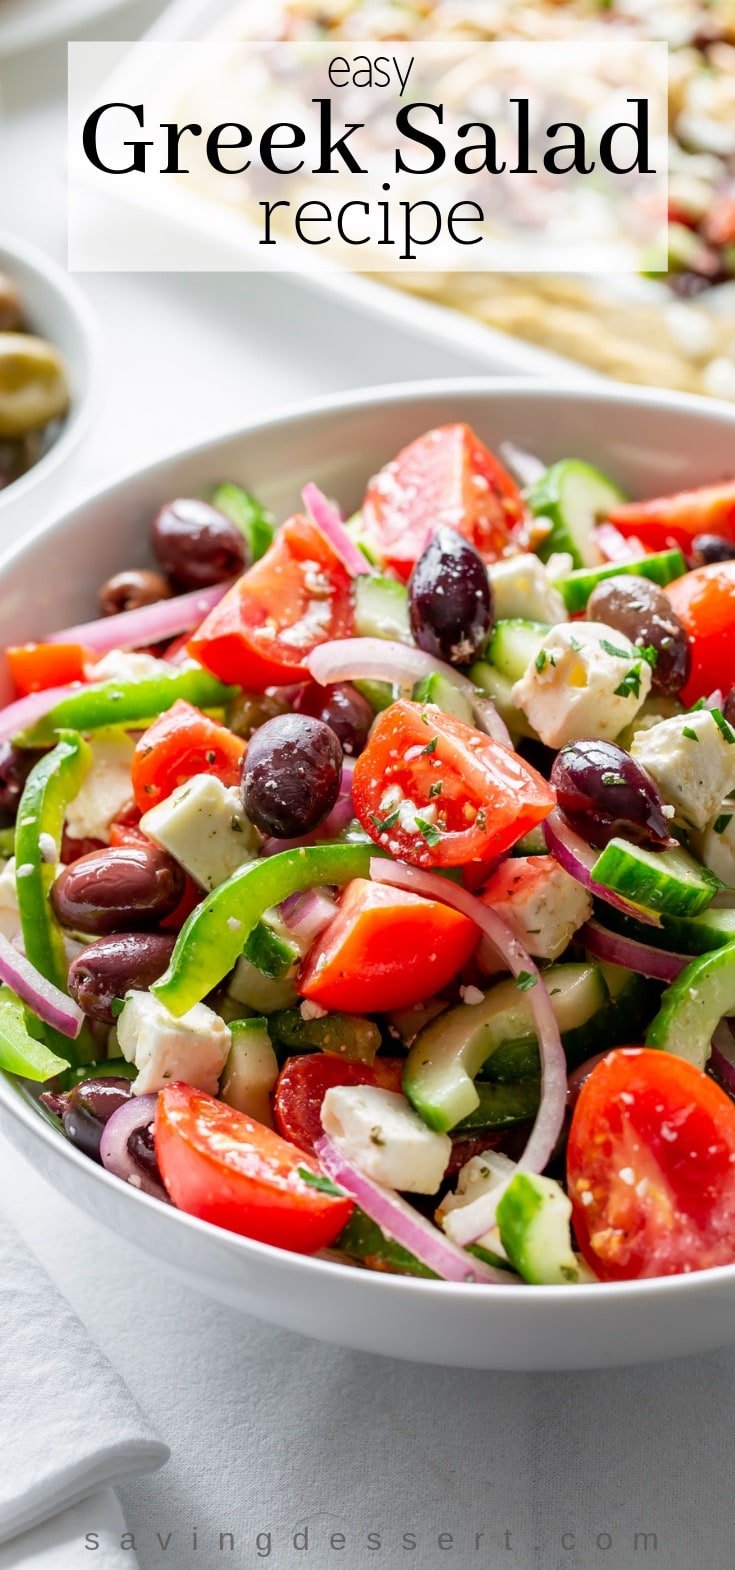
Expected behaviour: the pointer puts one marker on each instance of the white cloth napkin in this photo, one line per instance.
(69, 1428)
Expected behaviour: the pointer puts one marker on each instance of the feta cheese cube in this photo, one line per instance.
(480, 1184)
(106, 790)
(522, 587)
(691, 761)
(586, 680)
(716, 845)
(541, 903)
(386, 1139)
(193, 1048)
(203, 826)
(125, 665)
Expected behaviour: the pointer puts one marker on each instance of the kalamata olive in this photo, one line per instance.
(33, 384)
(11, 306)
(85, 1109)
(142, 1148)
(113, 966)
(708, 548)
(602, 792)
(15, 766)
(641, 611)
(728, 707)
(450, 598)
(118, 889)
(196, 545)
(249, 710)
(343, 709)
(291, 775)
(128, 591)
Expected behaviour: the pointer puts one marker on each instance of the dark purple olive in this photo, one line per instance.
(115, 965)
(85, 1109)
(118, 889)
(196, 545)
(15, 766)
(291, 775)
(728, 707)
(450, 599)
(603, 792)
(142, 1148)
(343, 709)
(709, 548)
(643, 613)
(129, 591)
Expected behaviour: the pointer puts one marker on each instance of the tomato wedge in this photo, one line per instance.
(304, 1081)
(439, 793)
(224, 1167)
(704, 601)
(447, 477)
(385, 949)
(651, 1168)
(183, 742)
(298, 595)
(36, 666)
(675, 520)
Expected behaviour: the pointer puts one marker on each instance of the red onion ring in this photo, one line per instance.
(149, 624)
(306, 915)
(19, 716)
(327, 518)
(382, 659)
(404, 1225)
(550, 1115)
(137, 1113)
(580, 1075)
(659, 964)
(575, 856)
(47, 1000)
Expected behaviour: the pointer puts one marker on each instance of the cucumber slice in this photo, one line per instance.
(349, 1036)
(500, 689)
(662, 568)
(249, 986)
(448, 1054)
(692, 1007)
(574, 496)
(501, 1106)
(380, 694)
(681, 934)
(251, 1070)
(363, 1239)
(666, 880)
(381, 609)
(533, 1219)
(623, 1016)
(439, 690)
(271, 950)
(513, 645)
(255, 523)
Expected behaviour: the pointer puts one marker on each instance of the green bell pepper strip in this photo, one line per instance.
(20, 1051)
(52, 783)
(126, 703)
(212, 939)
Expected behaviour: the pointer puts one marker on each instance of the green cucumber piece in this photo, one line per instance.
(270, 948)
(513, 645)
(531, 844)
(694, 1004)
(363, 1239)
(680, 934)
(662, 568)
(503, 1105)
(381, 608)
(348, 1036)
(666, 880)
(437, 689)
(251, 1070)
(448, 1054)
(499, 688)
(533, 1217)
(249, 986)
(255, 523)
(627, 1007)
(574, 496)
(379, 694)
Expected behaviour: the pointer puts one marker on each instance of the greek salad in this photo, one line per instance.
(368, 884)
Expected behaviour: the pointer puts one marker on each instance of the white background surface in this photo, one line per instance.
(270, 1433)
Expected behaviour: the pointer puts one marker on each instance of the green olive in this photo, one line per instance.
(33, 384)
(11, 307)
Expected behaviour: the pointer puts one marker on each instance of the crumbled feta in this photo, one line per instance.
(691, 762)
(715, 846)
(541, 903)
(106, 791)
(586, 680)
(124, 665)
(521, 587)
(193, 1048)
(203, 826)
(480, 1184)
(309, 1010)
(386, 1139)
(9, 912)
(471, 996)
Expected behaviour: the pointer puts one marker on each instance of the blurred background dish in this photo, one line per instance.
(26, 23)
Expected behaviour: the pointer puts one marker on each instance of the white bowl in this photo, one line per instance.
(57, 310)
(649, 441)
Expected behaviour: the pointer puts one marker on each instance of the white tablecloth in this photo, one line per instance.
(281, 1442)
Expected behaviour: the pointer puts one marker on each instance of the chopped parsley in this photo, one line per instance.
(435, 789)
(720, 824)
(430, 746)
(384, 824)
(116, 1007)
(525, 981)
(317, 1180)
(611, 648)
(689, 733)
(612, 779)
(722, 725)
(542, 660)
(649, 654)
(430, 832)
(630, 685)
(377, 1136)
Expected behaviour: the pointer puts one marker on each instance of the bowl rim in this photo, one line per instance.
(85, 326)
(16, 1101)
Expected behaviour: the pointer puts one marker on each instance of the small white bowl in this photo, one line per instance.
(649, 441)
(57, 310)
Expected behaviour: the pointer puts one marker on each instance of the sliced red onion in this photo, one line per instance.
(614, 545)
(47, 1001)
(306, 915)
(577, 858)
(21, 715)
(722, 1057)
(382, 659)
(524, 466)
(404, 1225)
(137, 1113)
(327, 518)
(550, 1115)
(659, 964)
(149, 624)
